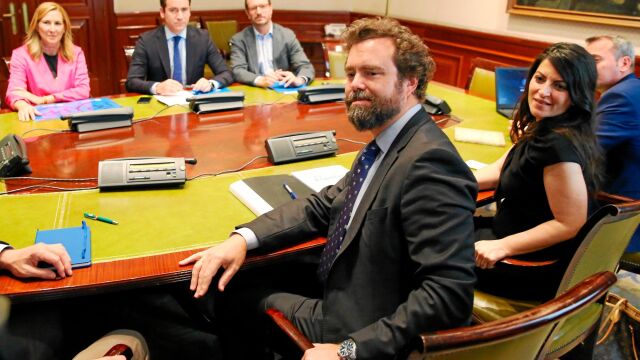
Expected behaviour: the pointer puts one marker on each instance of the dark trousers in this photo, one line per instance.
(60, 329)
(246, 332)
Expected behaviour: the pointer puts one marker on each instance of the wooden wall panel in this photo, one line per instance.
(447, 66)
(128, 30)
(89, 20)
(103, 34)
(468, 44)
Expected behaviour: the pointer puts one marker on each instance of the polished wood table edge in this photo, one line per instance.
(147, 271)
(120, 275)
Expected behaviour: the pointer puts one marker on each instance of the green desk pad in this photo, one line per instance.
(151, 222)
(476, 113)
(204, 211)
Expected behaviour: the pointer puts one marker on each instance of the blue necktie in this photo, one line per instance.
(177, 62)
(360, 171)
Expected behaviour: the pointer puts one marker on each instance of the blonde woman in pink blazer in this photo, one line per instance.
(48, 68)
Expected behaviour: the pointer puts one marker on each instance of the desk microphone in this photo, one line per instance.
(191, 161)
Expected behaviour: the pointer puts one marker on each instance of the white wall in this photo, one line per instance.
(491, 16)
(373, 7)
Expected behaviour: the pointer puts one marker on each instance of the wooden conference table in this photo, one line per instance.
(159, 227)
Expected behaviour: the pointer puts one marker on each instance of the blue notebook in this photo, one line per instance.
(76, 240)
(279, 87)
(212, 91)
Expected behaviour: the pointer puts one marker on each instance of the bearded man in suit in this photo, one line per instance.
(399, 258)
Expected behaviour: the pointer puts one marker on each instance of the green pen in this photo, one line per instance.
(100, 218)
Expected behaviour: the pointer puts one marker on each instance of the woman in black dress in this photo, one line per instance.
(546, 181)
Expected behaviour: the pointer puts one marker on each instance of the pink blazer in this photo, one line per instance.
(71, 84)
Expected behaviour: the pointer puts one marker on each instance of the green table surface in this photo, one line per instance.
(204, 211)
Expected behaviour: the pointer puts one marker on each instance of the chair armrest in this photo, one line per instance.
(485, 197)
(576, 298)
(607, 198)
(120, 349)
(289, 329)
(528, 263)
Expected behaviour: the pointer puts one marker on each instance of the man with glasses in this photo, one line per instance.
(267, 54)
(173, 56)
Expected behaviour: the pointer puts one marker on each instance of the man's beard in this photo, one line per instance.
(373, 116)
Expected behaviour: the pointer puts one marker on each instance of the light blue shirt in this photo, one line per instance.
(384, 140)
(264, 48)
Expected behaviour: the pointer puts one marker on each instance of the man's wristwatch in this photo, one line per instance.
(347, 350)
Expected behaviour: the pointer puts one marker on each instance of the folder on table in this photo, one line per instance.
(262, 194)
(76, 240)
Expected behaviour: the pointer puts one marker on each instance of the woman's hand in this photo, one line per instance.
(488, 252)
(34, 99)
(26, 111)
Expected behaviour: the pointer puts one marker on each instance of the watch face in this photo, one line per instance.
(347, 350)
(343, 352)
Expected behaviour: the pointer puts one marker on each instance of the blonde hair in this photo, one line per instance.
(33, 41)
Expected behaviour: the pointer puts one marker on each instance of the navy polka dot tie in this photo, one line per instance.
(359, 174)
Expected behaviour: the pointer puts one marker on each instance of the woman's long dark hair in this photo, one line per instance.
(578, 70)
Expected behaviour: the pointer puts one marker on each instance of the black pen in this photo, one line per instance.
(290, 191)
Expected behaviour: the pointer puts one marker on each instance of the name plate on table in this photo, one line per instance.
(142, 172)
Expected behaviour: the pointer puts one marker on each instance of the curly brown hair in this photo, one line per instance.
(411, 57)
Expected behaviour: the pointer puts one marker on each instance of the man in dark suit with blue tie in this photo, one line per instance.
(174, 55)
(399, 258)
(618, 115)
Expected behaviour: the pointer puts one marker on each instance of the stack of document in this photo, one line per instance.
(181, 97)
(262, 194)
(178, 99)
(484, 137)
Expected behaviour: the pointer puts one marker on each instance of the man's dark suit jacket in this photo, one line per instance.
(406, 265)
(150, 62)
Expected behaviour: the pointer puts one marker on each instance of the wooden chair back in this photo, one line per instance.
(521, 336)
(221, 33)
(481, 79)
